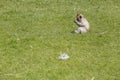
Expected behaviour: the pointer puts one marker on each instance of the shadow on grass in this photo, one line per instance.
(73, 32)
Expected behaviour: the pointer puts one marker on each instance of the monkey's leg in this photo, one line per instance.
(82, 29)
(78, 31)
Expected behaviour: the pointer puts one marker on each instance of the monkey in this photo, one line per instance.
(82, 23)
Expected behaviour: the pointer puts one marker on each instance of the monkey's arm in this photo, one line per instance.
(79, 24)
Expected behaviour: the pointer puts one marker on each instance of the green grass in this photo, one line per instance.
(33, 33)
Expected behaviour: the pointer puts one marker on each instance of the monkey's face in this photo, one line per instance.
(79, 17)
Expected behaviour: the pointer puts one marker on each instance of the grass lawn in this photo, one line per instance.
(33, 33)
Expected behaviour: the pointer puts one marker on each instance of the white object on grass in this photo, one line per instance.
(64, 56)
(93, 78)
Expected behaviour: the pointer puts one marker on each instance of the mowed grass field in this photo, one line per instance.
(33, 33)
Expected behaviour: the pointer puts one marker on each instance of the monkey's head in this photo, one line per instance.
(79, 17)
